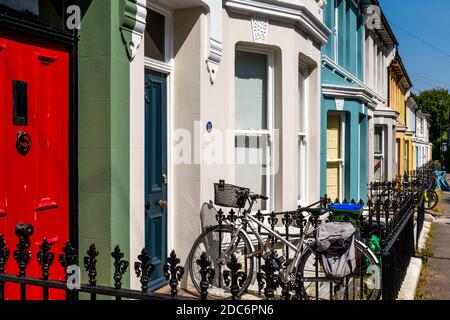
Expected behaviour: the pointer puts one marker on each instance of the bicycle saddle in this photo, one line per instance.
(315, 211)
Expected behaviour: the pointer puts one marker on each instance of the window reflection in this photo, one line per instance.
(47, 12)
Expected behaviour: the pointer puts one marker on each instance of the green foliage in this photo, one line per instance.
(430, 101)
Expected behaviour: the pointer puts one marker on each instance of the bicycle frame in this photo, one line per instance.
(253, 223)
(249, 220)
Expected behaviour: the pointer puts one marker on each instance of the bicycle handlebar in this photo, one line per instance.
(259, 196)
(252, 196)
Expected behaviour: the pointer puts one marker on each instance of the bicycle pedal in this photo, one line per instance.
(288, 262)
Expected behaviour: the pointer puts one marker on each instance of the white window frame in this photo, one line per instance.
(341, 160)
(383, 151)
(302, 135)
(270, 131)
(166, 67)
(406, 156)
(397, 153)
(336, 31)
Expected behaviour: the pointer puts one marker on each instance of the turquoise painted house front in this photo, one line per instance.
(347, 104)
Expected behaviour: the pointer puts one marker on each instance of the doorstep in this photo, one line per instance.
(251, 296)
(181, 293)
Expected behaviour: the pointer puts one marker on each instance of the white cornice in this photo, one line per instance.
(350, 77)
(362, 94)
(386, 113)
(422, 142)
(283, 12)
(401, 128)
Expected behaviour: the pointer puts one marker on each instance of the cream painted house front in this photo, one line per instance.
(239, 80)
(421, 139)
(380, 49)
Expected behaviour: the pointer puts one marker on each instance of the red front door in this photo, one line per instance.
(34, 148)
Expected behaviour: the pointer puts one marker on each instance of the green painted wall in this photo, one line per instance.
(103, 116)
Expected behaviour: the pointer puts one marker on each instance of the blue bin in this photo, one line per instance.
(347, 212)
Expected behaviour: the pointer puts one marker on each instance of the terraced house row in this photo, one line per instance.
(116, 129)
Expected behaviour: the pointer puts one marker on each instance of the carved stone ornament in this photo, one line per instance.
(133, 25)
(321, 3)
(260, 27)
(339, 104)
(214, 59)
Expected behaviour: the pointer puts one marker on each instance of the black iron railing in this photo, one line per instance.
(392, 207)
(68, 259)
(388, 215)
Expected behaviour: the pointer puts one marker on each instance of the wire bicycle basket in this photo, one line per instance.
(229, 196)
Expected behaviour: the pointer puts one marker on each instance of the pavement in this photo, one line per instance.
(409, 286)
(438, 284)
(412, 278)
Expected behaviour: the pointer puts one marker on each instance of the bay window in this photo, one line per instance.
(302, 136)
(254, 128)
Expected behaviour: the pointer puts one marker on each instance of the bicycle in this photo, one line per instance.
(431, 198)
(221, 242)
(430, 195)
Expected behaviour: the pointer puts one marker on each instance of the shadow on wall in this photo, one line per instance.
(84, 6)
(184, 22)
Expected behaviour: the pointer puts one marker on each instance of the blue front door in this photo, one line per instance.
(156, 173)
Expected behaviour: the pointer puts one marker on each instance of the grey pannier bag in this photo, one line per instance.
(336, 243)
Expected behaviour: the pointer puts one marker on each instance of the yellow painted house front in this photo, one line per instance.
(398, 91)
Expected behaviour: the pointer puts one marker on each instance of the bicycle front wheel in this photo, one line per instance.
(214, 242)
(363, 284)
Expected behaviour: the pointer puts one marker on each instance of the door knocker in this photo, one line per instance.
(23, 143)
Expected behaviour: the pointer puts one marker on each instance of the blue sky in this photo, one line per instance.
(430, 21)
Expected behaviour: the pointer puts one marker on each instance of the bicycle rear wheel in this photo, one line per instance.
(214, 241)
(363, 284)
(433, 200)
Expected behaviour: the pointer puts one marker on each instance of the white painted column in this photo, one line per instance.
(390, 156)
(370, 147)
(137, 155)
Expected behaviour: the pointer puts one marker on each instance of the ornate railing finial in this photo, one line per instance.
(45, 258)
(144, 269)
(234, 278)
(207, 275)
(120, 266)
(90, 264)
(22, 255)
(173, 272)
(270, 278)
(4, 254)
(69, 256)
